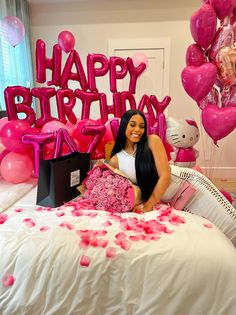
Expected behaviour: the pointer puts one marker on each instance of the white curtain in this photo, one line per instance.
(15, 62)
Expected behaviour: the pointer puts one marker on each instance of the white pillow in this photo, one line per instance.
(208, 201)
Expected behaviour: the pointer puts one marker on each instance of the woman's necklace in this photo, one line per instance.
(128, 151)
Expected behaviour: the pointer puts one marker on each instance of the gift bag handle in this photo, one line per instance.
(62, 134)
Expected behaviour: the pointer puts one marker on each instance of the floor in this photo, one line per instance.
(227, 184)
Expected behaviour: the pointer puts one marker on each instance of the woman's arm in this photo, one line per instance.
(163, 170)
(114, 162)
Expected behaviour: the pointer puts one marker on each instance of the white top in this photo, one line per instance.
(127, 165)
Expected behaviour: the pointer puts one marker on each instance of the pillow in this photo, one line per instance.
(109, 189)
(208, 201)
(183, 195)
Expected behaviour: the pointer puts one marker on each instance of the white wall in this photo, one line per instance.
(93, 25)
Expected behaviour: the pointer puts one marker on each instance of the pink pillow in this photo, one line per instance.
(183, 195)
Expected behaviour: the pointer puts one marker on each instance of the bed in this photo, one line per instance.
(77, 260)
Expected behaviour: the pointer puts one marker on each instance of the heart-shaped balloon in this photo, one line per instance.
(198, 81)
(226, 64)
(223, 8)
(203, 25)
(224, 37)
(194, 56)
(218, 122)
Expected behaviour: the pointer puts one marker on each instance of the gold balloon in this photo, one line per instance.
(226, 65)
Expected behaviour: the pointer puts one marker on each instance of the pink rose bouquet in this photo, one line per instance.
(108, 189)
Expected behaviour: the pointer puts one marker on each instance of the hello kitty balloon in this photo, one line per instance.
(183, 135)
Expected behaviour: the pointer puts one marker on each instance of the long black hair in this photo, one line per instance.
(145, 167)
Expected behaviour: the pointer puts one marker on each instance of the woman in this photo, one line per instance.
(141, 158)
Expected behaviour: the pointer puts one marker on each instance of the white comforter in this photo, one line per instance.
(87, 262)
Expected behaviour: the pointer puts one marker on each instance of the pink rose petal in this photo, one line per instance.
(44, 228)
(208, 225)
(67, 225)
(85, 261)
(29, 222)
(19, 210)
(60, 214)
(8, 280)
(3, 218)
(110, 252)
(107, 223)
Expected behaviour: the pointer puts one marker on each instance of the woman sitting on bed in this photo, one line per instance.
(141, 157)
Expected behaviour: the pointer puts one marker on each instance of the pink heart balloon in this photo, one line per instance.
(198, 81)
(223, 8)
(218, 122)
(194, 56)
(203, 25)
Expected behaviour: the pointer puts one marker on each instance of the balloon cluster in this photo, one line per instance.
(210, 73)
(34, 138)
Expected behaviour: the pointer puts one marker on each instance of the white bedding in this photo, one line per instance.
(190, 271)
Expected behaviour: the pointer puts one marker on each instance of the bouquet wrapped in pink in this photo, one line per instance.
(109, 189)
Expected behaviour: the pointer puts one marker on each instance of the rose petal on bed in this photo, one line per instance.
(3, 218)
(8, 280)
(29, 222)
(19, 210)
(120, 235)
(67, 225)
(136, 238)
(44, 228)
(85, 261)
(208, 225)
(110, 252)
(84, 243)
(77, 213)
(60, 214)
(107, 223)
(125, 244)
(102, 243)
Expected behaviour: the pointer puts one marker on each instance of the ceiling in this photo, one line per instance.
(156, 3)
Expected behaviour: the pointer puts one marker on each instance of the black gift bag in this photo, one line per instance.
(58, 178)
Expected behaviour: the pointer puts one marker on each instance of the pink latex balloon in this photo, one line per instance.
(139, 58)
(16, 168)
(218, 122)
(110, 129)
(211, 98)
(228, 96)
(83, 140)
(223, 8)
(52, 126)
(66, 41)
(198, 81)
(203, 25)
(3, 122)
(194, 56)
(223, 37)
(13, 30)
(11, 135)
